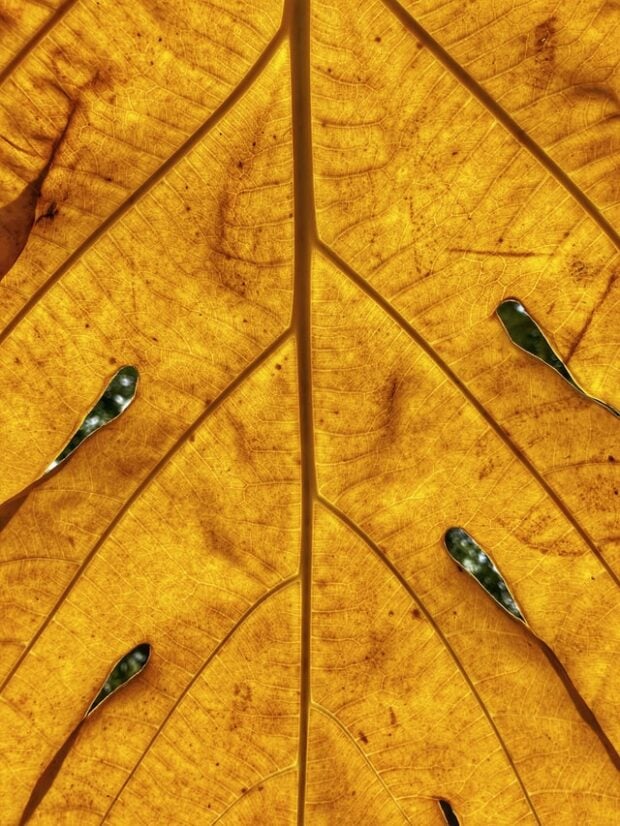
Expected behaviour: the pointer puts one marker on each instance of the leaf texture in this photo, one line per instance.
(297, 221)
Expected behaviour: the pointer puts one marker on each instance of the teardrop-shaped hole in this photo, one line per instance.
(116, 398)
(448, 813)
(527, 334)
(468, 554)
(125, 670)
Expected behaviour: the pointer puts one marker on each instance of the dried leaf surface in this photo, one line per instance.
(297, 222)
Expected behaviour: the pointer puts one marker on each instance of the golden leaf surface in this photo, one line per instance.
(297, 221)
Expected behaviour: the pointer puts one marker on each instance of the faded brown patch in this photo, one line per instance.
(544, 47)
(232, 280)
(75, 77)
(51, 211)
(6, 21)
(16, 221)
(543, 36)
(242, 701)
(17, 218)
(390, 399)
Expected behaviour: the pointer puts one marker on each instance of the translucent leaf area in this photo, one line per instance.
(310, 368)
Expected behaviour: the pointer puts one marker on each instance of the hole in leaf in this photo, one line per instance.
(527, 335)
(448, 813)
(116, 398)
(125, 669)
(471, 558)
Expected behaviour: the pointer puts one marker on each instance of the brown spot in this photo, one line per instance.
(393, 385)
(579, 270)
(232, 280)
(415, 613)
(419, 44)
(112, 360)
(50, 213)
(278, 366)
(377, 39)
(393, 718)
(544, 51)
(611, 459)
(362, 737)
(244, 692)
(543, 34)
(192, 438)
(244, 790)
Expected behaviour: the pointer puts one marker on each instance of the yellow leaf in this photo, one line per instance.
(296, 223)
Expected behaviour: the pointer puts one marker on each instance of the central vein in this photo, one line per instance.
(298, 14)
